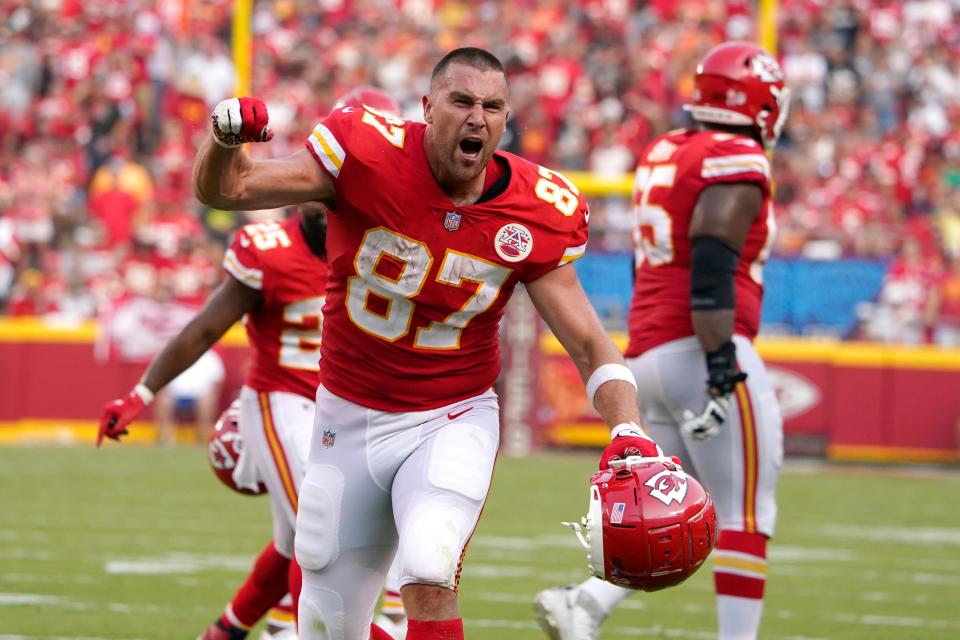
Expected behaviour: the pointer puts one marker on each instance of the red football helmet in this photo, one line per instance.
(370, 96)
(224, 447)
(740, 84)
(649, 525)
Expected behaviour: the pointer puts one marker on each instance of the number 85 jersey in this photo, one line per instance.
(673, 172)
(284, 329)
(417, 284)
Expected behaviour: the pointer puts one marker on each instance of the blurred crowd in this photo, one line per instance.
(104, 102)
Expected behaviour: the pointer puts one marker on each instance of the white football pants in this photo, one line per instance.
(276, 428)
(372, 474)
(739, 466)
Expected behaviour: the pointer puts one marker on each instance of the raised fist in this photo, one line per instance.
(239, 120)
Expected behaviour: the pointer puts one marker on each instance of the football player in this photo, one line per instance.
(434, 229)
(704, 228)
(276, 276)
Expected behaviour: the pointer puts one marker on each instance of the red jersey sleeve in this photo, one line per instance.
(243, 261)
(567, 239)
(329, 142)
(730, 159)
(246, 259)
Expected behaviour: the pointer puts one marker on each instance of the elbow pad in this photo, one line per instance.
(713, 265)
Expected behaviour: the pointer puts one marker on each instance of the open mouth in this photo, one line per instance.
(471, 147)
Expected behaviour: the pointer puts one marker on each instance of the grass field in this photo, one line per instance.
(131, 542)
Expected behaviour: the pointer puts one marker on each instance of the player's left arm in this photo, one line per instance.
(718, 230)
(565, 307)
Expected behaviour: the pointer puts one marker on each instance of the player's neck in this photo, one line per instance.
(461, 192)
(746, 132)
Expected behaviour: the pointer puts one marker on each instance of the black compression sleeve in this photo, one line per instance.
(713, 264)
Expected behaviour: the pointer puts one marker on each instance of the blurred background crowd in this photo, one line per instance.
(103, 104)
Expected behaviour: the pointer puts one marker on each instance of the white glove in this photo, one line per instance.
(239, 120)
(707, 424)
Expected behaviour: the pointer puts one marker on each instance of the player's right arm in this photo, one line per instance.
(225, 306)
(226, 177)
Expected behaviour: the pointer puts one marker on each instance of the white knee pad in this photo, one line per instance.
(431, 546)
(318, 518)
(320, 615)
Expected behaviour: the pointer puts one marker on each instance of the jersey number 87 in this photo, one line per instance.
(415, 260)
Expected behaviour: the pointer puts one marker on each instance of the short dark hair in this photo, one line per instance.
(470, 56)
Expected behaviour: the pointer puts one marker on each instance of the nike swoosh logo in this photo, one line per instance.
(454, 416)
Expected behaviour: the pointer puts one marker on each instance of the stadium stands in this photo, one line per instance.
(102, 104)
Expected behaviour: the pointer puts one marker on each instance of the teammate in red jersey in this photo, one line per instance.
(275, 275)
(704, 227)
(433, 230)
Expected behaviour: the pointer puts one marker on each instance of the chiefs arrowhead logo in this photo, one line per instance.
(668, 486)
(220, 456)
(766, 68)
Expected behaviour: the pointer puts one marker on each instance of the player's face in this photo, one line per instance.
(467, 112)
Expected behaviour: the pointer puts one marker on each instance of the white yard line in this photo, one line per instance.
(16, 637)
(179, 563)
(637, 603)
(924, 536)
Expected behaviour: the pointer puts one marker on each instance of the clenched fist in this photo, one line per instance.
(239, 120)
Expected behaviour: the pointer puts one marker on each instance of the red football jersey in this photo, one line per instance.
(284, 331)
(418, 284)
(672, 173)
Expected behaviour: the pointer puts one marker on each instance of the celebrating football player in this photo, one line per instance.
(276, 276)
(434, 229)
(704, 229)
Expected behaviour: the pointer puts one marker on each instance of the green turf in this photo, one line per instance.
(130, 542)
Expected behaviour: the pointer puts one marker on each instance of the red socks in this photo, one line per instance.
(435, 629)
(376, 633)
(295, 583)
(740, 564)
(265, 586)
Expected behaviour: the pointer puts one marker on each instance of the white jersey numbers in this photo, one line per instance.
(652, 234)
(562, 197)
(456, 268)
(390, 127)
(392, 269)
(300, 345)
(267, 235)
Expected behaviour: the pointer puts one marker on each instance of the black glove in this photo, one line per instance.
(723, 373)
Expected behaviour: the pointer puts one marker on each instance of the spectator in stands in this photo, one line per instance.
(945, 306)
(904, 309)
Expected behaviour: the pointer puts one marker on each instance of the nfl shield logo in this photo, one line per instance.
(328, 438)
(452, 221)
